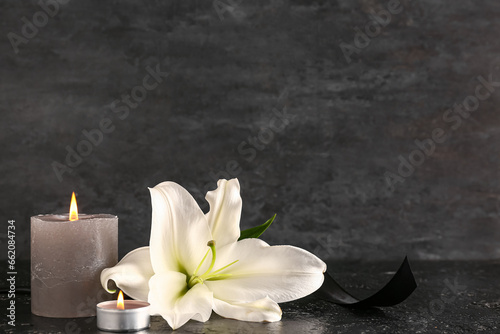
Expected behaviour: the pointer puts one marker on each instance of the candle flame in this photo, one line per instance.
(73, 209)
(119, 303)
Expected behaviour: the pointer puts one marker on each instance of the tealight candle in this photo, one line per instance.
(123, 315)
(68, 253)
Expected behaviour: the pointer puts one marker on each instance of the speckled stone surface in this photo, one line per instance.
(231, 72)
(452, 297)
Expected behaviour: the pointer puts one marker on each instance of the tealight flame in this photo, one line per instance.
(119, 303)
(73, 209)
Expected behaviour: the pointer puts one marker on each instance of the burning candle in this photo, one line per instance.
(68, 253)
(122, 315)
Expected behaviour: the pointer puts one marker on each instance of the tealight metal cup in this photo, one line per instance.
(133, 318)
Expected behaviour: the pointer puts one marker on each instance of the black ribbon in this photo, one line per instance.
(397, 290)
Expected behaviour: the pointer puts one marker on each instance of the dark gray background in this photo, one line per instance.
(323, 175)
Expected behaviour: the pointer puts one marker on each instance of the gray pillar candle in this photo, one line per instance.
(67, 258)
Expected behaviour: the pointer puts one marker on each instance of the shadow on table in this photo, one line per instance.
(69, 325)
(364, 312)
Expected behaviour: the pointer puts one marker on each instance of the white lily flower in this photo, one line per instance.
(195, 263)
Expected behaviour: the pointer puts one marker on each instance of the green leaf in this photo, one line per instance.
(256, 231)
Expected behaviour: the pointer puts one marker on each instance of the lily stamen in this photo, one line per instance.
(218, 270)
(209, 275)
(202, 260)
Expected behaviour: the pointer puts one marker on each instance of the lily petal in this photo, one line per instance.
(283, 273)
(225, 212)
(170, 298)
(264, 309)
(131, 274)
(179, 230)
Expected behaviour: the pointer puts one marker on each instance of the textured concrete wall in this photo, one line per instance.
(309, 112)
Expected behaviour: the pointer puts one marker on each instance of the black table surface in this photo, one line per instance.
(452, 297)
